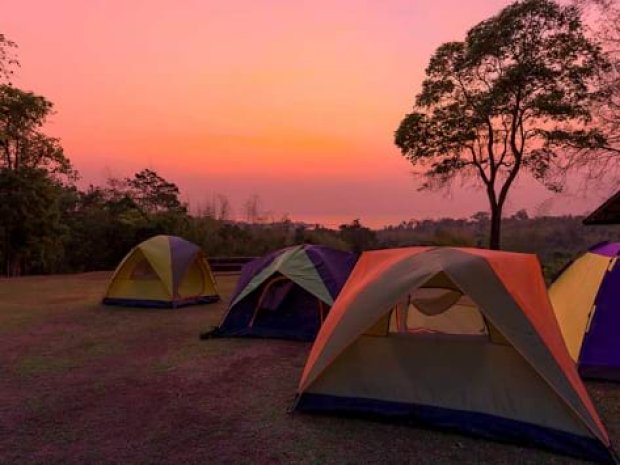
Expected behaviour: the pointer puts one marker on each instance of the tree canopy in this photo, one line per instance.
(8, 58)
(153, 193)
(22, 141)
(511, 97)
(33, 173)
(606, 20)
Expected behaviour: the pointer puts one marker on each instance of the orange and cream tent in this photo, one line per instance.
(458, 338)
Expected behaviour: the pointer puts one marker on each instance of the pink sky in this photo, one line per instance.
(294, 101)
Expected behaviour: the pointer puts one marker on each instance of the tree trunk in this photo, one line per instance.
(496, 227)
(14, 268)
(13, 264)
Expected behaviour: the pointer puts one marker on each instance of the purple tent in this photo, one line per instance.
(287, 294)
(600, 352)
(586, 300)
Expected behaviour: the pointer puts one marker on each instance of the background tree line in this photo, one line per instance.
(94, 228)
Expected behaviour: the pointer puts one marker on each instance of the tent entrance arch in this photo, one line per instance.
(142, 270)
(277, 295)
(437, 308)
(282, 306)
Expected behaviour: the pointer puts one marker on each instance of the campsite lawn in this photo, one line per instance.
(81, 383)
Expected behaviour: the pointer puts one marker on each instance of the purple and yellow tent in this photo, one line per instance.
(286, 294)
(163, 271)
(586, 301)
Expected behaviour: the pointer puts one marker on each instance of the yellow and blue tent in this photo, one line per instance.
(586, 301)
(163, 271)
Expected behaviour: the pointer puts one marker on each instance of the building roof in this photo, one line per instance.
(607, 213)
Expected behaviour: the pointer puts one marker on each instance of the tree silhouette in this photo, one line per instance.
(153, 193)
(33, 172)
(508, 99)
(358, 236)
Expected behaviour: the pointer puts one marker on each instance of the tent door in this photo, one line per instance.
(286, 307)
(272, 297)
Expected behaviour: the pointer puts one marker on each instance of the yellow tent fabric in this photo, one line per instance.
(157, 252)
(586, 301)
(572, 297)
(163, 271)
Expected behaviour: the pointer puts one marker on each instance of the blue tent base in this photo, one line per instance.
(469, 423)
(264, 333)
(145, 303)
(600, 372)
(293, 315)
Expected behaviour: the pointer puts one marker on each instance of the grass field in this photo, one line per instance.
(81, 383)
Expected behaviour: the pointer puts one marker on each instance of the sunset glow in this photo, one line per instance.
(294, 101)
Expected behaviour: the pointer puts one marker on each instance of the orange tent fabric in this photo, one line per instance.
(508, 291)
(520, 274)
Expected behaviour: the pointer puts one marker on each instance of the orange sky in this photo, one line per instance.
(295, 101)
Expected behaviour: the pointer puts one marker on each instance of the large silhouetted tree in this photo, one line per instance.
(508, 99)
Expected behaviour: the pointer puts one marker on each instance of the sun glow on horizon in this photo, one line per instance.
(296, 102)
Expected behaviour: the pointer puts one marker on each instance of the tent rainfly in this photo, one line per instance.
(586, 301)
(163, 271)
(463, 339)
(286, 294)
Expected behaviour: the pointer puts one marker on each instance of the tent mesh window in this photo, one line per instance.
(143, 271)
(444, 311)
(435, 311)
(438, 307)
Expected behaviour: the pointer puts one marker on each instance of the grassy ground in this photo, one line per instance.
(81, 383)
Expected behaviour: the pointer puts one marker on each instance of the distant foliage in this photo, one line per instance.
(64, 229)
(555, 239)
(358, 237)
(31, 226)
